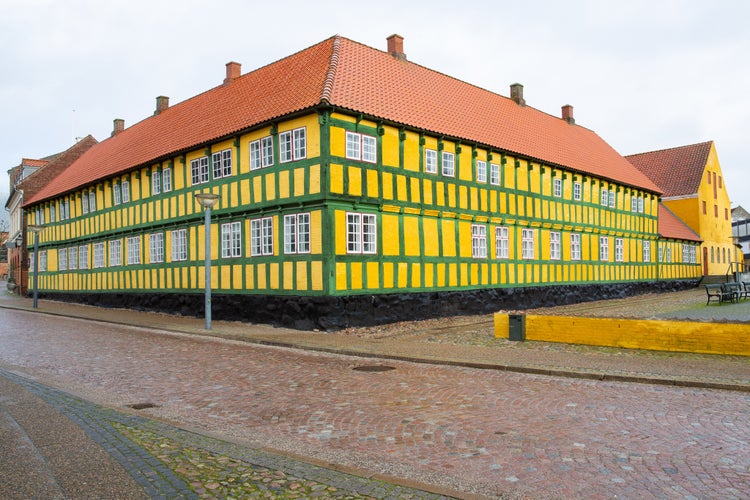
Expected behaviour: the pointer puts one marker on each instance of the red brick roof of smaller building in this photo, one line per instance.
(677, 171)
(351, 76)
(672, 227)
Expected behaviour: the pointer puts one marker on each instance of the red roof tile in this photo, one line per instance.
(677, 171)
(350, 75)
(672, 227)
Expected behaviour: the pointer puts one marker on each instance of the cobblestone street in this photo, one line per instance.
(478, 431)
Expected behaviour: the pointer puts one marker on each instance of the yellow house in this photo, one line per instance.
(694, 189)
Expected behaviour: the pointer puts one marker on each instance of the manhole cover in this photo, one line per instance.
(142, 406)
(373, 368)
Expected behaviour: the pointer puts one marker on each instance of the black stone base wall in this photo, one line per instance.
(335, 313)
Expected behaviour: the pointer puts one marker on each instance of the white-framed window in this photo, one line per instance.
(527, 244)
(634, 204)
(155, 182)
(52, 214)
(361, 147)
(73, 258)
(604, 248)
(494, 174)
(179, 245)
(198, 171)
(116, 193)
(292, 145)
(98, 254)
(619, 249)
(261, 236)
(554, 246)
(605, 197)
(449, 164)
(575, 246)
(92, 200)
(640, 204)
(502, 245)
(669, 254)
(430, 161)
(646, 251)
(222, 163)
(125, 191)
(62, 259)
(557, 188)
(134, 250)
(661, 254)
(115, 255)
(361, 233)
(156, 247)
(685, 253)
(577, 191)
(83, 257)
(85, 203)
(231, 239)
(297, 233)
(66, 206)
(478, 241)
(166, 179)
(481, 171)
(261, 153)
(42, 261)
(612, 199)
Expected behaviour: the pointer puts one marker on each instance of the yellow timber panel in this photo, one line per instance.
(373, 275)
(390, 229)
(372, 183)
(301, 274)
(390, 149)
(314, 179)
(411, 236)
(299, 182)
(288, 275)
(388, 275)
(355, 181)
(337, 178)
(340, 275)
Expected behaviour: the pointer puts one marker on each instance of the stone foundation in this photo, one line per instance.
(335, 313)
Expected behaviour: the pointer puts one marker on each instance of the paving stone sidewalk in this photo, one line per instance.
(169, 462)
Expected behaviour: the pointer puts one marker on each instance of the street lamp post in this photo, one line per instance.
(36, 230)
(207, 201)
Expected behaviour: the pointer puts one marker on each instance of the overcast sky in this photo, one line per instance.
(644, 75)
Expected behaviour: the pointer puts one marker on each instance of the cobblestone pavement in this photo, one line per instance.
(168, 462)
(484, 432)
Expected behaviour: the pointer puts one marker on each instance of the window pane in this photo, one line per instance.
(285, 147)
(430, 161)
(300, 143)
(352, 146)
(448, 166)
(353, 234)
(369, 149)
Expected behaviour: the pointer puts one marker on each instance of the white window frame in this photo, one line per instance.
(98, 254)
(286, 153)
(481, 171)
(178, 245)
(640, 204)
(557, 186)
(293, 145)
(527, 244)
(361, 233)
(577, 191)
(612, 199)
(52, 213)
(84, 203)
(198, 171)
(83, 257)
(156, 247)
(604, 248)
(605, 197)
(125, 191)
(73, 258)
(449, 164)
(116, 193)
(134, 250)
(361, 147)
(494, 174)
(261, 236)
(575, 246)
(42, 261)
(430, 161)
(634, 204)
(555, 246)
(62, 259)
(166, 180)
(502, 242)
(619, 250)
(115, 253)
(231, 240)
(92, 201)
(478, 241)
(155, 182)
(297, 233)
(300, 143)
(646, 250)
(261, 153)
(222, 163)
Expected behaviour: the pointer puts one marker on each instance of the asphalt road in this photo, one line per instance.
(478, 431)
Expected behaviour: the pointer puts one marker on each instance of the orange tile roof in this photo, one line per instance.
(29, 162)
(672, 227)
(677, 171)
(349, 75)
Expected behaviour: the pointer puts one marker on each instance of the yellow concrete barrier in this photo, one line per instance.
(658, 335)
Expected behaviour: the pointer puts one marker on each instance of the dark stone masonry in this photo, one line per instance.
(334, 313)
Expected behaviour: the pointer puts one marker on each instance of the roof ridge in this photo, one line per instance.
(671, 149)
(325, 95)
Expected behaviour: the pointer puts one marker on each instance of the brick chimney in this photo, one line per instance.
(516, 93)
(162, 103)
(396, 47)
(119, 126)
(567, 114)
(233, 72)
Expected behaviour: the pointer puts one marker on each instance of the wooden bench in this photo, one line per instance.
(719, 293)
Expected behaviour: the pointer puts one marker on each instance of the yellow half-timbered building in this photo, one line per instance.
(351, 178)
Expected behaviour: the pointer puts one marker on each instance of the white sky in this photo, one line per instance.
(644, 75)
